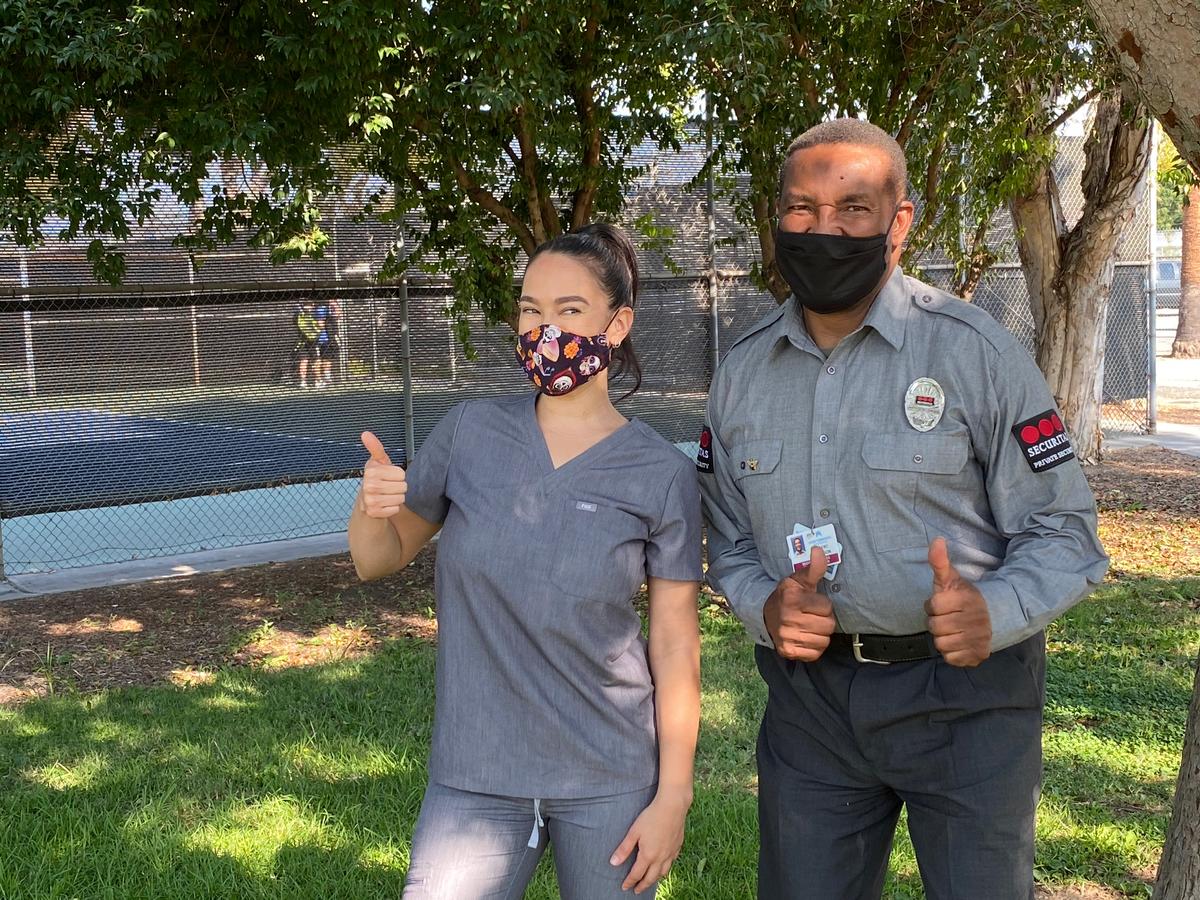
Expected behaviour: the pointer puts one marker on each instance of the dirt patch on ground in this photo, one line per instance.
(299, 613)
(1149, 502)
(1089, 892)
(184, 629)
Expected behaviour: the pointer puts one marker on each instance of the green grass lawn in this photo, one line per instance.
(306, 782)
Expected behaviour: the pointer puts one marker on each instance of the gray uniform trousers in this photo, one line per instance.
(843, 744)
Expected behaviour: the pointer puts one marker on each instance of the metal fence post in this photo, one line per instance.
(374, 336)
(30, 362)
(410, 439)
(713, 312)
(195, 324)
(1152, 286)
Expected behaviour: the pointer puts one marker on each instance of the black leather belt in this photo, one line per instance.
(885, 648)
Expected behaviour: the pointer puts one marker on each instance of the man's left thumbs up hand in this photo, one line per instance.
(958, 614)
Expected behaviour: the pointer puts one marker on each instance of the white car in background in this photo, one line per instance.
(1169, 285)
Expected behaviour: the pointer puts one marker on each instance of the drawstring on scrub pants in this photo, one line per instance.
(537, 823)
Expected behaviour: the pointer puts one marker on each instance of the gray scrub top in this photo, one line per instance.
(795, 436)
(543, 683)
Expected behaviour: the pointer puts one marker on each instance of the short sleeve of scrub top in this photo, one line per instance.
(429, 468)
(673, 550)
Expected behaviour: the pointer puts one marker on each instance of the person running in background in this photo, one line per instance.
(308, 330)
(327, 343)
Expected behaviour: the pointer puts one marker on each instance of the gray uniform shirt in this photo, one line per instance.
(543, 685)
(798, 437)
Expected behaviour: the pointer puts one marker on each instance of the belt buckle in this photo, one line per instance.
(856, 643)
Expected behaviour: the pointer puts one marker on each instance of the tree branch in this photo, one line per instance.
(800, 48)
(933, 176)
(585, 107)
(479, 195)
(528, 171)
(1071, 110)
(917, 107)
(1115, 157)
(512, 155)
(979, 259)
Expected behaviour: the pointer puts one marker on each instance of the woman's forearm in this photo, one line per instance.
(675, 664)
(375, 545)
(677, 702)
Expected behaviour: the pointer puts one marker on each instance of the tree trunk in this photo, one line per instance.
(1179, 870)
(1187, 334)
(1069, 273)
(1158, 43)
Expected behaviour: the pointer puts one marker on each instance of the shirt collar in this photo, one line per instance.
(889, 313)
(888, 316)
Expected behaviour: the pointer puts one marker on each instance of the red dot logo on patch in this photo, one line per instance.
(1045, 427)
(1058, 425)
(705, 439)
(1029, 434)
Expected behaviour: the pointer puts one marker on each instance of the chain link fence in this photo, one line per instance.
(187, 411)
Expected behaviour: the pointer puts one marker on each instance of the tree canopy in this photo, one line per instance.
(504, 122)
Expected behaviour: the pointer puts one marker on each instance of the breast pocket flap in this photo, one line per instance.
(936, 454)
(760, 457)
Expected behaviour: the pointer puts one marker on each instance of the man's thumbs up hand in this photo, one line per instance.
(798, 617)
(383, 485)
(958, 614)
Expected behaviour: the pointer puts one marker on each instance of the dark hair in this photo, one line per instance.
(860, 133)
(611, 256)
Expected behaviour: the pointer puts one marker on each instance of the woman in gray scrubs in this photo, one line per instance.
(556, 722)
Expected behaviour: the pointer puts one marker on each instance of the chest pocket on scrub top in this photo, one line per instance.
(900, 467)
(753, 465)
(600, 552)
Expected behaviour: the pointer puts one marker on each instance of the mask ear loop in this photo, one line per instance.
(612, 319)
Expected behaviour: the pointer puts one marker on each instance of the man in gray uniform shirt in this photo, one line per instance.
(878, 423)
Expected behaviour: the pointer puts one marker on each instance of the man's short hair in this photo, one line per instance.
(860, 133)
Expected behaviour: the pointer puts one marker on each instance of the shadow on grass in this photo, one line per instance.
(303, 783)
(306, 782)
(292, 784)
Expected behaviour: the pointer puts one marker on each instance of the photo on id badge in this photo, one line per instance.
(801, 541)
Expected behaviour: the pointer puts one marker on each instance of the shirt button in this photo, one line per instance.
(824, 439)
(824, 514)
(837, 588)
(918, 458)
(832, 370)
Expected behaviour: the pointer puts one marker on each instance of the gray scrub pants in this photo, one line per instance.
(470, 846)
(844, 744)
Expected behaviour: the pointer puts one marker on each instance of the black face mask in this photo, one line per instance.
(830, 273)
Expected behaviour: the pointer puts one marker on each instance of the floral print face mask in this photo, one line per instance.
(557, 361)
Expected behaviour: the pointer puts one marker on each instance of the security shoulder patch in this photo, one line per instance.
(1044, 441)
(704, 453)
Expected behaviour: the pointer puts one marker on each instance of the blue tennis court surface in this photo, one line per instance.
(63, 459)
(115, 534)
(83, 487)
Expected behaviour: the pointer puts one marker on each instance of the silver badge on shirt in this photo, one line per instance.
(924, 403)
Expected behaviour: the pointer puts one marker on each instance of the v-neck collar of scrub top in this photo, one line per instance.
(542, 450)
(888, 317)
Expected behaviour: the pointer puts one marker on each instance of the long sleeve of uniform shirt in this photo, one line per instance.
(734, 566)
(797, 437)
(1041, 504)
